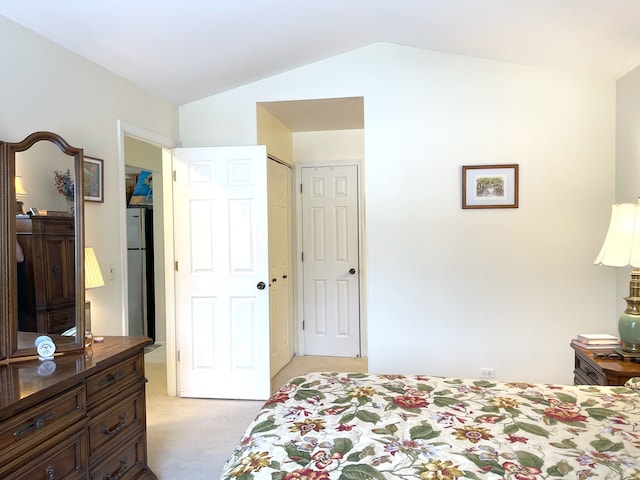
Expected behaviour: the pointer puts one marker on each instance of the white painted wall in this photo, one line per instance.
(46, 87)
(275, 135)
(628, 138)
(627, 159)
(452, 290)
(337, 145)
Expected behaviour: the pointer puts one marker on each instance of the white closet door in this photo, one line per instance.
(331, 261)
(280, 264)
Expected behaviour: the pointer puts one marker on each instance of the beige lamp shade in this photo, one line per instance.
(19, 187)
(621, 246)
(92, 274)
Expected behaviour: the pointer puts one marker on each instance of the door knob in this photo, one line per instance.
(352, 271)
(261, 286)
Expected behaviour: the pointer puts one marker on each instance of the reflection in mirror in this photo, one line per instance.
(47, 239)
(37, 169)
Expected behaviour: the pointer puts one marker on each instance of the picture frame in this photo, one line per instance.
(93, 177)
(490, 186)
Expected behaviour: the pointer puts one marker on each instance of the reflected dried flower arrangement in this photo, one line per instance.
(64, 183)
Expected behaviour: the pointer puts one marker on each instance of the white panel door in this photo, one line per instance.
(331, 261)
(280, 261)
(222, 303)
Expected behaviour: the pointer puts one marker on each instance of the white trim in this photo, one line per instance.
(167, 144)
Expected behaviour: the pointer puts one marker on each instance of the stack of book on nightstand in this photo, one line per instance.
(594, 341)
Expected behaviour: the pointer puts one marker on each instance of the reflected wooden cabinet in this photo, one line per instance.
(46, 279)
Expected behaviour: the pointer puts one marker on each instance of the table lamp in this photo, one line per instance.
(621, 248)
(92, 279)
(19, 191)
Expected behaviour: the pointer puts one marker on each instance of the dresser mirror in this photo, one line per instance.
(42, 244)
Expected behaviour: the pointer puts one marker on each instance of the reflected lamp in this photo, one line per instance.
(20, 190)
(92, 279)
(92, 273)
(621, 248)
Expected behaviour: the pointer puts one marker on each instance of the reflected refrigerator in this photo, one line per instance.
(140, 271)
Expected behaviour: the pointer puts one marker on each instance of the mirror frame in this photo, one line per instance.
(10, 346)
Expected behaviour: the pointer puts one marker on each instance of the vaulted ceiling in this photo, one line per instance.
(185, 50)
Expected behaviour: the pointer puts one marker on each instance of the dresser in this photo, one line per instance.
(78, 416)
(46, 285)
(589, 370)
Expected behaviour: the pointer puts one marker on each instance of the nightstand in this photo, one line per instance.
(597, 371)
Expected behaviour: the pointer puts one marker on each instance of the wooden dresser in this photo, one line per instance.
(47, 289)
(78, 416)
(601, 371)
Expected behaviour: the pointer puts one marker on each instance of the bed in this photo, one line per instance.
(358, 426)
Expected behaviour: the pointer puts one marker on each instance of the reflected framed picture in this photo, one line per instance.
(490, 186)
(93, 179)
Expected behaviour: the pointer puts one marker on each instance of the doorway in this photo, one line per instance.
(144, 226)
(321, 132)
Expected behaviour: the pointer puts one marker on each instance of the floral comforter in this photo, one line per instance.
(361, 426)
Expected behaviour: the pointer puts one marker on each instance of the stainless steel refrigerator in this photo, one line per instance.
(140, 271)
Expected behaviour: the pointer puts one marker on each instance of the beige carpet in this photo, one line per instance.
(192, 438)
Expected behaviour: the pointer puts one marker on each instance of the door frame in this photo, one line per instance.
(298, 248)
(166, 144)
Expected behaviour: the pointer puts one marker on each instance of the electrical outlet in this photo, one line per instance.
(488, 373)
(111, 271)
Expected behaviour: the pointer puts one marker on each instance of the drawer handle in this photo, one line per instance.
(111, 378)
(61, 321)
(590, 373)
(118, 429)
(49, 472)
(120, 473)
(36, 424)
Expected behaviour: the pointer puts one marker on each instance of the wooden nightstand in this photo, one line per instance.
(595, 371)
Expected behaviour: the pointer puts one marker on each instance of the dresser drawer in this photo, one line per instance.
(63, 458)
(123, 464)
(585, 374)
(124, 418)
(58, 320)
(25, 431)
(115, 379)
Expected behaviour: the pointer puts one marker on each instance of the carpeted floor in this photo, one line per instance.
(191, 438)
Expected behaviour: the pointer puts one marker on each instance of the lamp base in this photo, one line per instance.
(633, 357)
(629, 331)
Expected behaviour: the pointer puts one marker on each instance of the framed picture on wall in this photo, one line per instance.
(490, 186)
(93, 179)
